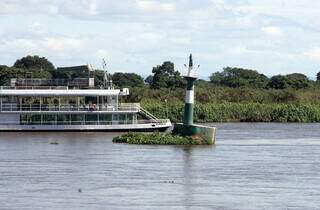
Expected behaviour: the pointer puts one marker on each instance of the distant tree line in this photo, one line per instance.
(229, 85)
(238, 77)
(164, 76)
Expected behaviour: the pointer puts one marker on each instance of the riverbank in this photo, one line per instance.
(239, 112)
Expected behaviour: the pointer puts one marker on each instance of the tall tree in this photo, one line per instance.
(318, 77)
(165, 76)
(295, 81)
(7, 73)
(239, 77)
(34, 62)
(298, 81)
(127, 80)
(278, 82)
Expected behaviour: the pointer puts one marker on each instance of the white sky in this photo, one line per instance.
(272, 36)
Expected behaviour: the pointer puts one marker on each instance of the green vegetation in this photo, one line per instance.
(34, 62)
(155, 139)
(127, 80)
(165, 76)
(240, 112)
(237, 77)
(232, 95)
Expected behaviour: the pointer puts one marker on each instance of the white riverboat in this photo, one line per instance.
(57, 105)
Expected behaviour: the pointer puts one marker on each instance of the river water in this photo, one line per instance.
(253, 166)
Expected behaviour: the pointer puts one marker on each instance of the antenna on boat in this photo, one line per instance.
(106, 82)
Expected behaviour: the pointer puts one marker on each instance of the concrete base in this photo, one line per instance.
(204, 133)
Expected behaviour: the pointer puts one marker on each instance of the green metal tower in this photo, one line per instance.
(187, 127)
(189, 101)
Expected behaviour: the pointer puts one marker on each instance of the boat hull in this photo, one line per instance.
(87, 128)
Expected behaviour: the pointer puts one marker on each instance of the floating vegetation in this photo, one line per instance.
(157, 138)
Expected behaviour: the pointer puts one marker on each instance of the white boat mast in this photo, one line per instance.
(106, 81)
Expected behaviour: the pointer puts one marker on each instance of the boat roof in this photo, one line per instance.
(64, 92)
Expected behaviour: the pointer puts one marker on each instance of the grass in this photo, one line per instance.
(239, 112)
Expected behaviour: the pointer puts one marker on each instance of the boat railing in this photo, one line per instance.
(34, 88)
(14, 107)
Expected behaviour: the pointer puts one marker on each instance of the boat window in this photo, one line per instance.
(91, 119)
(77, 119)
(49, 119)
(63, 119)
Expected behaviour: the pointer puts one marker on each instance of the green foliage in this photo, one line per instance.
(240, 112)
(149, 80)
(7, 73)
(26, 67)
(278, 82)
(34, 62)
(166, 77)
(295, 81)
(99, 77)
(127, 80)
(238, 77)
(155, 138)
(298, 81)
(318, 77)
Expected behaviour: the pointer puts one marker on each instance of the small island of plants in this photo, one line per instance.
(157, 138)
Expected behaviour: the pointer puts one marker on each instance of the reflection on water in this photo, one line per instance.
(253, 166)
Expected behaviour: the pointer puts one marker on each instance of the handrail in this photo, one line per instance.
(34, 87)
(14, 107)
(148, 114)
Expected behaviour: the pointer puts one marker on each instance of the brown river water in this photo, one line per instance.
(253, 166)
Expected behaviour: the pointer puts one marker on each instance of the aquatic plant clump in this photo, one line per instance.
(156, 139)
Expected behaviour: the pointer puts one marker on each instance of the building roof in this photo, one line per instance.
(83, 68)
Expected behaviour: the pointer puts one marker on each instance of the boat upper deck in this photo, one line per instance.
(60, 91)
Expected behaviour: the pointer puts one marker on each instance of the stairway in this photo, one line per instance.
(148, 114)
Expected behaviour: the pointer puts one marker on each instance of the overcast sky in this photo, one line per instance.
(272, 36)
